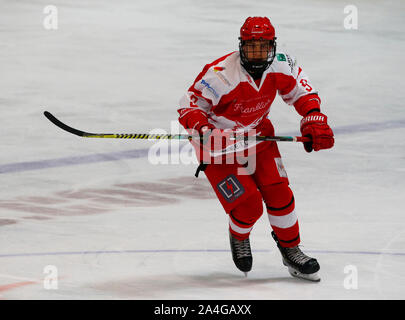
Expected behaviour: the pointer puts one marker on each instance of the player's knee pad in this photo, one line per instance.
(250, 210)
(278, 198)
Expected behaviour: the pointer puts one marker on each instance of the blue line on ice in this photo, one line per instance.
(62, 253)
(141, 153)
(70, 161)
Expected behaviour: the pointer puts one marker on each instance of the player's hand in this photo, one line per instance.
(315, 126)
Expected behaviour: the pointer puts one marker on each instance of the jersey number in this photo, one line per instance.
(306, 85)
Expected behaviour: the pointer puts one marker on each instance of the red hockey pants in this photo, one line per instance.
(242, 195)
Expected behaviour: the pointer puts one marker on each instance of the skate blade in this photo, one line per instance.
(311, 277)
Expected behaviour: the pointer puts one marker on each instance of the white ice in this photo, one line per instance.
(116, 226)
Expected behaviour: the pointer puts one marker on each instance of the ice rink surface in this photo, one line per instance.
(106, 223)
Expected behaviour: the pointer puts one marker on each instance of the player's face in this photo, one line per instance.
(256, 50)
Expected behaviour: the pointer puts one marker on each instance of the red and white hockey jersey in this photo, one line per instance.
(226, 96)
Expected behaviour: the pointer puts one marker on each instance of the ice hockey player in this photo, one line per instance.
(234, 93)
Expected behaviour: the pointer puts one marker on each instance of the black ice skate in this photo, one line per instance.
(241, 254)
(298, 263)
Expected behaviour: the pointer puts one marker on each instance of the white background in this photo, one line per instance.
(118, 227)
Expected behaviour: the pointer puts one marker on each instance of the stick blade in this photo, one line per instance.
(64, 126)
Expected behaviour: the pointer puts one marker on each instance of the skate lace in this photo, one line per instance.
(242, 248)
(297, 256)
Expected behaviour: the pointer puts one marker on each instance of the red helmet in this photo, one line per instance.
(257, 28)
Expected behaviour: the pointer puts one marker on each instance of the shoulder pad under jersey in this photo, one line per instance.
(285, 63)
(220, 77)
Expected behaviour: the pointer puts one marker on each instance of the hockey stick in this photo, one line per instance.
(145, 136)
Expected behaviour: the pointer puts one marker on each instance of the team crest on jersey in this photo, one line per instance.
(230, 188)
